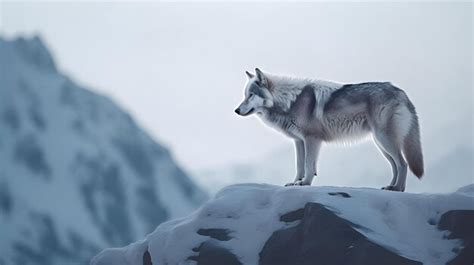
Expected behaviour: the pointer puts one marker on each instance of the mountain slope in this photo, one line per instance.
(76, 172)
(274, 225)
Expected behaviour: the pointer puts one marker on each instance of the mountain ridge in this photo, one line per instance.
(77, 173)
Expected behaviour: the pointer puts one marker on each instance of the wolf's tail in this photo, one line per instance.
(412, 146)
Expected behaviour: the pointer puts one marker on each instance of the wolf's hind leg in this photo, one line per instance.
(390, 160)
(390, 146)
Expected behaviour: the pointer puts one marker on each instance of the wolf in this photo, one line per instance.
(313, 112)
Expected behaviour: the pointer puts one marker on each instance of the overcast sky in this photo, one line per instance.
(179, 68)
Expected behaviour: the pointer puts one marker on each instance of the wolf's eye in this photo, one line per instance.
(250, 95)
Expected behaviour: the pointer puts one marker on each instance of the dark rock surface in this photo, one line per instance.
(210, 253)
(341, 194)
(461, 225)
(216, 233)
(147, 258)
(321, 237)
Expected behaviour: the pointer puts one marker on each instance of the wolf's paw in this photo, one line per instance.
(300, 183)
(392, 188)
(297, 183)
(294, 183)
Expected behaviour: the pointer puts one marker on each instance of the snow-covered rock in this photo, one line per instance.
(77, 174)
(274, 225)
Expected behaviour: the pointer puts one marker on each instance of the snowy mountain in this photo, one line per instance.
(273, 225)
(76, 172)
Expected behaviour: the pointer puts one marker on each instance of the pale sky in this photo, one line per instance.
(179, 67)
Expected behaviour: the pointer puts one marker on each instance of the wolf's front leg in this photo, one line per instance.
(300, 157)
(311, 149)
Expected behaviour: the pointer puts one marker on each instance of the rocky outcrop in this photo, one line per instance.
(270, 225)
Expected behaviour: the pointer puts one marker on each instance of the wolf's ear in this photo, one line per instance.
(261, 77)
(249, 75)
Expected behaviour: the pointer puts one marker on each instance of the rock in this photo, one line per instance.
(321, 237)
(210, 253)
(219, 234)
(461, 225)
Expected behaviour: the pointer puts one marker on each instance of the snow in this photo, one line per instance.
(397, 221)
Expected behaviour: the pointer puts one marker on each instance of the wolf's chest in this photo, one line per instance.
(285, 124)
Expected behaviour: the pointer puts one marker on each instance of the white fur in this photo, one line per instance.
(403, 118)
(286, 89)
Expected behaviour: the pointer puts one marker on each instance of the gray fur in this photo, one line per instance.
(314, 111)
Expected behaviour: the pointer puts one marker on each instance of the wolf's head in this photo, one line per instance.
(257, 94)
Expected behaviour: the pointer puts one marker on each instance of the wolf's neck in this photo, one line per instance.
(282, 121)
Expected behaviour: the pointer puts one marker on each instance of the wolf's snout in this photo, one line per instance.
(237, 110)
